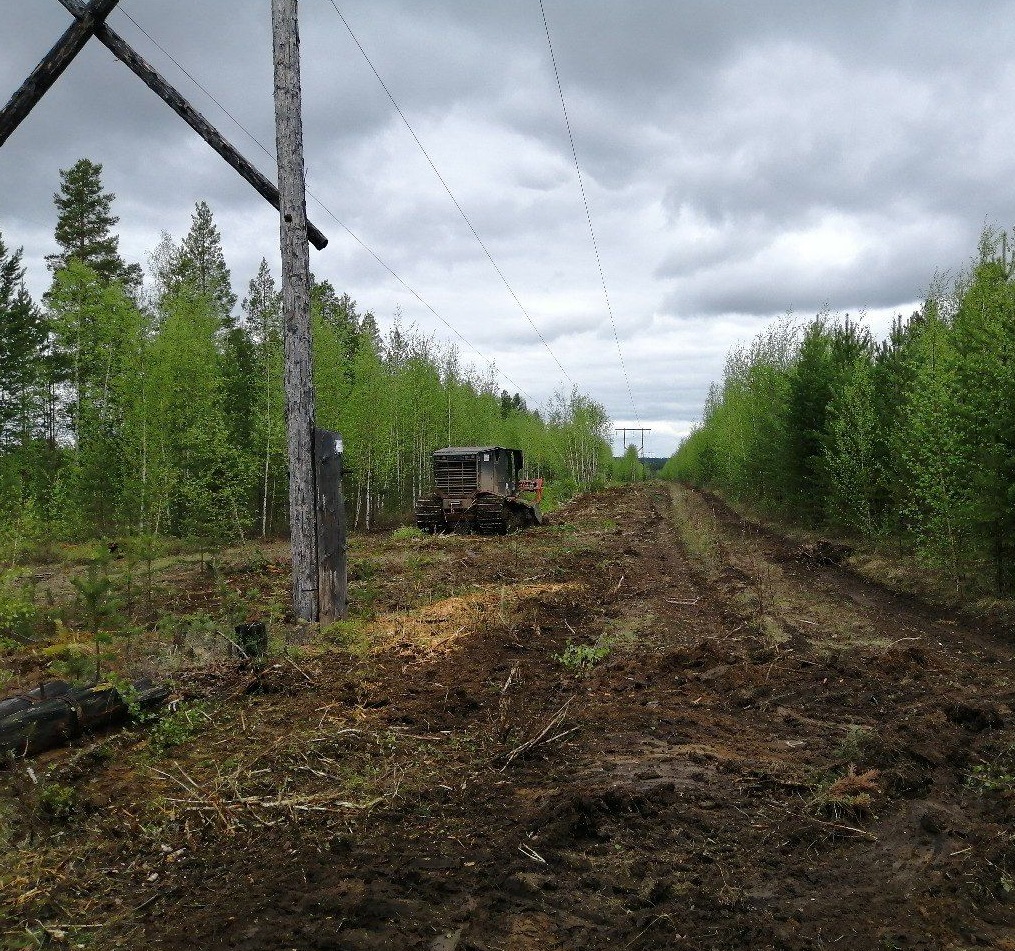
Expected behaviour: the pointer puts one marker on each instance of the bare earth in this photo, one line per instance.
(763, 752)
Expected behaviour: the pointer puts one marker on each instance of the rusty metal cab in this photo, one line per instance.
(476, 489)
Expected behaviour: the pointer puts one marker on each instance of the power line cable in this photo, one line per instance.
(588, 213)
(327, 210)
(451, 195)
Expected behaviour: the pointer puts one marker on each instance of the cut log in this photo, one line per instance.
(56, 713)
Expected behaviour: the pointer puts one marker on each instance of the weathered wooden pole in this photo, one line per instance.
(157, 84)
(52, 66)
(299, 382)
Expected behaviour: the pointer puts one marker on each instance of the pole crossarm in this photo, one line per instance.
(634, 429)
(89, 22)
(172, 98)
(89, 19)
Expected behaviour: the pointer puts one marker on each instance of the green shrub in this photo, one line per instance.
(407, 533)
(349, 635)
(18, 611)
(58, 802)
(75, 661)
(175, 729)
(581, 658)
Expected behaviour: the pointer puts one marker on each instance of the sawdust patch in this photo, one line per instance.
(437, 628)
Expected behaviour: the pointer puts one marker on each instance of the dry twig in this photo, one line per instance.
(541, 738)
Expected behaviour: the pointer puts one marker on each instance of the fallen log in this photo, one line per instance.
(47, 691)
(57, 713)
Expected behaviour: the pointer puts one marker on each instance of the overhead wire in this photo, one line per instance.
(588, 213)
(451, 194)
(253, 138)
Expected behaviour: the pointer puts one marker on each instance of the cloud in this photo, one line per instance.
(739, 160)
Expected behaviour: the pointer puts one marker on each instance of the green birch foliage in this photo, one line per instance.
(169, 418)
(367, 440)
(767, 395)
(98, 336)
(932, 451)
(263, 316)
(580, 439)
(201, 481)
(628, 467)
(984, 340)
(852, 460)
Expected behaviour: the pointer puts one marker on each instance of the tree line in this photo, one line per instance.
(156, 407)
(908, 441)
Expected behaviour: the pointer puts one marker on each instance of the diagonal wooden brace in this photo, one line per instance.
(53, 64)
(155, 82)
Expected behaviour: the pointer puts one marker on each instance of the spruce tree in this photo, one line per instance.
(22, 341)
(84, 226)
(200, 265)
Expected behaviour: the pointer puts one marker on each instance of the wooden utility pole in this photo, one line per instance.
(331, 558)
(299, 381)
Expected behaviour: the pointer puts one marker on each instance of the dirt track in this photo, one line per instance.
(771, 754)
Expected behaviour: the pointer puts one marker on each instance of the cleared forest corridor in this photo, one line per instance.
(647, 725)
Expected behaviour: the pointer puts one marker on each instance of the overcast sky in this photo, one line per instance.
(741, 160)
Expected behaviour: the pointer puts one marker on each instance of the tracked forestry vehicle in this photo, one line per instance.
(477, 489)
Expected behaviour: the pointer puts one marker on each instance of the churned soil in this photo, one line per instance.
(649, 724)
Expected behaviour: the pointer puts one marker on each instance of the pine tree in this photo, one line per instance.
(851, 457)
(933, 455)
(84, 226)
(827, 360)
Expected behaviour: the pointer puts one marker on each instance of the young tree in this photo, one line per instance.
(628, 467)
(851, 455)
(932, 454)
(827, 358)
(201, 482)
(983, 332)
(98, 332)
(263, 316)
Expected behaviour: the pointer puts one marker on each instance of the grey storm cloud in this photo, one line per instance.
(740, 160)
